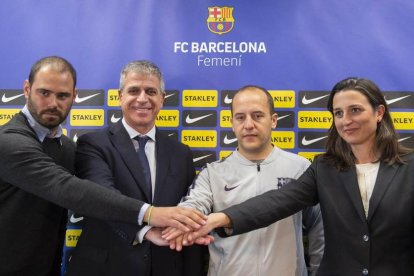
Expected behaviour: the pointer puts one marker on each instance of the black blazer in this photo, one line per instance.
(381, 244)
(104, 248)
(32, 187)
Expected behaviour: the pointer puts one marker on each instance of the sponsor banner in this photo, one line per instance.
(403, 120)
(225, 153)
(406, 139)
(75, 220)
(202, 157)
(113, 97)
(171, 98)
(283, 98)
(314, 99)
(88, 97)
(225, 118)
(314, 119)
(113, 116)
(199, 138)
(200, 98)
(12, 97)
(283, 139)
(64, 131)
(285, 119)
(226, 97)
(72, 237)
(312, 140)
(170, 133)
(199, 118)
(228, 139)
(168, 118)
(309, 155)
(75, 133)
(399, 99)
(6, 114)
(87, 117)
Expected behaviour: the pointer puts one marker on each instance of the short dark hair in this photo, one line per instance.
(58, 63)
(269, 97)
(339, 152)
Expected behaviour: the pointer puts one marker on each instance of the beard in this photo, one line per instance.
(49, 118)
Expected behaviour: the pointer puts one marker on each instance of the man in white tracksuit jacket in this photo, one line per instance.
(254, 168)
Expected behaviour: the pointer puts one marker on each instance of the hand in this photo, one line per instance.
(154, 235)
(184, 219)
(214, 220)
(178, 243)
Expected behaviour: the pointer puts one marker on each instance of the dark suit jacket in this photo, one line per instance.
(108, 157)
(382, 244)
(32, 187)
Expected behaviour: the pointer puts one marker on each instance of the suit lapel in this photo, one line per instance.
(123, 144)
(385, 175)
(349, 179)
(163, 155)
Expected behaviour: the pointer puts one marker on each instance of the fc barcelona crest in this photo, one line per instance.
(220, 19)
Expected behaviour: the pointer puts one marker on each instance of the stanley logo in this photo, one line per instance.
(87, 117)
(7, 114)
(403, 120)
(226, 97)
(314, 119)
(283, 98)
(72, 237)
(199, 138)
(225, 118)
(113, 97)
(317, 99)
(168, 118)
(200, 98)
(89, 98)
(309, 155)
(312, 140)
(283, 139)
(225, 153)
(12, 97)
(199, 118)
(202, 157)
(228, 139)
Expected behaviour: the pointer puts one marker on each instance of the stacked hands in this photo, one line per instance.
(179, 226)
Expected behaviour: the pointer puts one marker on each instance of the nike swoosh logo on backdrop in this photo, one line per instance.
(228, 141)
(396, 99)
(282, 117)
(6, 99)
(230, 188)
(75, 137)
(306, 142)
(189, 120)
(309, 101)
(80, 100)
(114, 119)
(74, 219)
(403, 139)
(169, 95)
(227, 100)
(201, 157)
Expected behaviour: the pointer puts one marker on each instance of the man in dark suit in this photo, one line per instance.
(111, 158)
(36, 179)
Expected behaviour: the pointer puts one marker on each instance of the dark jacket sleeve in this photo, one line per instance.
(24, 164)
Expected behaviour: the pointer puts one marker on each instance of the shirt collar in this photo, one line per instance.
(41, 131)
(133, 133)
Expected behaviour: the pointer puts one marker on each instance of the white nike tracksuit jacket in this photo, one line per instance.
(274, 250)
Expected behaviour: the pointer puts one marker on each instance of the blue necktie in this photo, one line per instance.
(142, 140)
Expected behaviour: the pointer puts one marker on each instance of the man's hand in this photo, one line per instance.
(184, 219)
(214, 220)
(154, 235)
